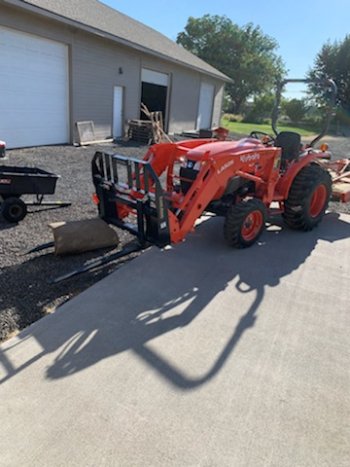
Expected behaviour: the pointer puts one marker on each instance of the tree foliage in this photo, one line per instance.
(295, 109)
(260, 109)
(333, 61)
(245, 54)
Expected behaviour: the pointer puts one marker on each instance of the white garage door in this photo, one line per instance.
(33, 90)
(205, 107)
(154, 77)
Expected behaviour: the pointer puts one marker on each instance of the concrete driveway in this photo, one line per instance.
(195, 356)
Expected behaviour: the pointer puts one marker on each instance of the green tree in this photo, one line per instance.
(260, 109)
(295, 109)
(245, 54)
(333, 61)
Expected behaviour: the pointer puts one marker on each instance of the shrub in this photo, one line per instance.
(232, 117)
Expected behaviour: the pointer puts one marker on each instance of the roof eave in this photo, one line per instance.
(106, 35)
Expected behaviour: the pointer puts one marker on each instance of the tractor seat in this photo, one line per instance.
(290, 143)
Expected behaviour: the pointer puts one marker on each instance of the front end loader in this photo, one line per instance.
(160, 198)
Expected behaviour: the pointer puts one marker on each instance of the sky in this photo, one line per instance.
(299, 27)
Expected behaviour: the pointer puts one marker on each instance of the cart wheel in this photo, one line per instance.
(14, 209)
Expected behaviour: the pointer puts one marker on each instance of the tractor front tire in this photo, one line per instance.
(308, 198)
(244, 223)
(13, 209)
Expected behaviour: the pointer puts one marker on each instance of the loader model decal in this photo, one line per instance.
(225, 166)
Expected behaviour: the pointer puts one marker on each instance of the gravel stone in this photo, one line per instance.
(26, 291)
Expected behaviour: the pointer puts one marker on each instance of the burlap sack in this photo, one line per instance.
(79, 236)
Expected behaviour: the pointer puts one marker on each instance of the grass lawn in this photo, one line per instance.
(245, 128)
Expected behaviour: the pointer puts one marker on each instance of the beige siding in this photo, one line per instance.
(97, 65)
(184, 102)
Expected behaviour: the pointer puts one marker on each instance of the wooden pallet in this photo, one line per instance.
(156, 119)
(141, 131)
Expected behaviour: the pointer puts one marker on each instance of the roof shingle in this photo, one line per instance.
(101, 17)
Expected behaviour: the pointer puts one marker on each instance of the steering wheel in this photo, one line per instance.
(265, 138)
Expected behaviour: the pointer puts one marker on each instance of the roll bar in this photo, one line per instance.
(325, 83)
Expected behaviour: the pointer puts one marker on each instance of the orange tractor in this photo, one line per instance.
(160, 198)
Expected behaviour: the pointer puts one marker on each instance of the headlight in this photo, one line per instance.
(192, 165)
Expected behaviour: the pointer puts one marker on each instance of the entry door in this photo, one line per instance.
(205, 107)
(118, 112)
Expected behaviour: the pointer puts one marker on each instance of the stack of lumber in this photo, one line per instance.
(148, 131)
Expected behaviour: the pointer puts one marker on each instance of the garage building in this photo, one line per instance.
(64, 61)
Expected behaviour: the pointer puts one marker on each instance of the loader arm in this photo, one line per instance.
(212, 180)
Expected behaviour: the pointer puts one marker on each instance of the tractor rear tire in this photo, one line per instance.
(13, 209)
(308, 198)
(244, 223)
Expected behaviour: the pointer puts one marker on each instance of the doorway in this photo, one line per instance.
(154, 97)
(154, 92)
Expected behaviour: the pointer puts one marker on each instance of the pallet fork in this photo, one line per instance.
(132, 184)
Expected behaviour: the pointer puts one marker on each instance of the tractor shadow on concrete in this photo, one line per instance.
(167, 291)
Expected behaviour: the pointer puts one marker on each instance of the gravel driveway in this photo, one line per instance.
(26, 291)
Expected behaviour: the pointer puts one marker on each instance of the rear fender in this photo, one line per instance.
(284, 184)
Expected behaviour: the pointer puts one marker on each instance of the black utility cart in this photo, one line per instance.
(18, 181)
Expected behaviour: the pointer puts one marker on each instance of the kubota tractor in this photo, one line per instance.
(160, 198)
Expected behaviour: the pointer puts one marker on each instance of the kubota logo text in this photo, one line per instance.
(250, 158)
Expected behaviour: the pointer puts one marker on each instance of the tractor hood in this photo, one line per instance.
(216, 148)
